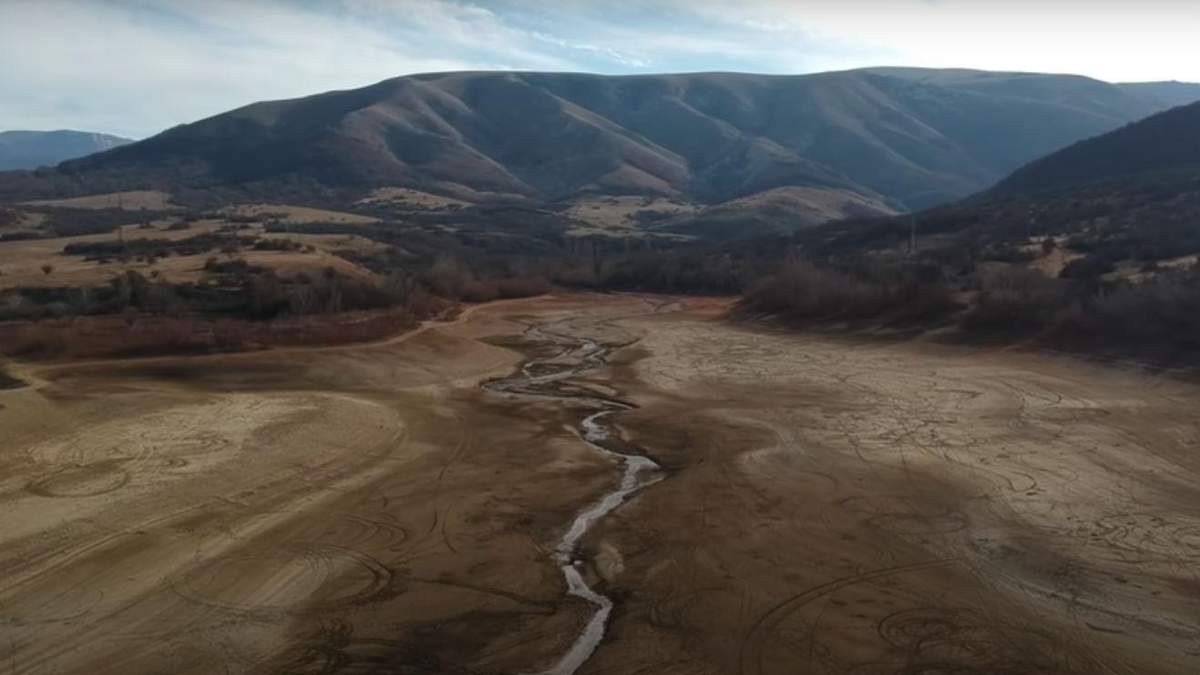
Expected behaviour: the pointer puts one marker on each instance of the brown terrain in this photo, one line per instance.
(824, 505)
(22, 261)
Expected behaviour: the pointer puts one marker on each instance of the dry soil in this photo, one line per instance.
(828, 506)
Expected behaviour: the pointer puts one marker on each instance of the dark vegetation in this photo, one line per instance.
(967, 271)
(8, 381)
(801, 291)
(1125, 293)
(149, 248)
(66, 222)
(1158, 318)
(231, 289)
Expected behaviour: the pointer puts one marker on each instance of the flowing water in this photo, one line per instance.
(579, 356)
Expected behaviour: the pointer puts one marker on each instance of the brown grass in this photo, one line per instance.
(115, 336)
(407, 197)
(298, 214)
(21, 261)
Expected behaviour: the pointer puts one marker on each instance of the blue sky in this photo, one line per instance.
(135, 67)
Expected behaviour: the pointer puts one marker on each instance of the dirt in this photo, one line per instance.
(826, 506)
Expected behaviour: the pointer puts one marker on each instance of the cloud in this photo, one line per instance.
(135, 67)
(1109, 39)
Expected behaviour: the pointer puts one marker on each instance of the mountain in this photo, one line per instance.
(895, 138)
(1171, 94)
(1166, 142)
(1127, 201)
(33, 149)
(778, 210)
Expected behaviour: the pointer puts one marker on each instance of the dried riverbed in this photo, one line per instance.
(832, 506)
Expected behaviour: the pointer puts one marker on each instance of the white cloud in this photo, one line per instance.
(137, 66)
(1113, 40)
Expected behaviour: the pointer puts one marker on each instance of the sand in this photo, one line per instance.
(828, 506)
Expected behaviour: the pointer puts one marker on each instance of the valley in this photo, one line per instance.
(821, 503)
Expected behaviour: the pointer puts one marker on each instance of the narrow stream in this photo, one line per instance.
(541, 379)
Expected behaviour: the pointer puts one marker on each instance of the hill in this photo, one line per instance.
(1170, 93)
(33, 149)
(1165, 142)
(898, 139)
(1095, 248)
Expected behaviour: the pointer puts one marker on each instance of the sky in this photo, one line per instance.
(137, 67)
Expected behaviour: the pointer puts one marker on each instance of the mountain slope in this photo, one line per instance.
(907, 138)
(1165, 142)
(1124, 203)
(1170, 93)
(32, 149)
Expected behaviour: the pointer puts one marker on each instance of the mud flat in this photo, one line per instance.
(825, 506)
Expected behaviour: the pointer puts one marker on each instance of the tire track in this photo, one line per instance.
(753, 650)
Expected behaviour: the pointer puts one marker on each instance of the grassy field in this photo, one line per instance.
(24, 262)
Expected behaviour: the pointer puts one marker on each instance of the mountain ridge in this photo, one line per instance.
(1166, 142)
(902, 138)
(25, 149)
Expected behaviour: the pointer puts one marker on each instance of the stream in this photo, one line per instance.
(543, 379)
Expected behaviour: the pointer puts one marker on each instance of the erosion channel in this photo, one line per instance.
(550, 378)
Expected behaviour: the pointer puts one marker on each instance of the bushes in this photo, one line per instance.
(278, 245)
(1160, 316)
(160, 248)
(801, 291)
(500, 289)
(9, 382)
(804, 291)
(233, 289)
(451, 278)
(1014, 299)
(69, 222)
(23, 235)
(1158, 319)
(673, 271)
(1088, 268)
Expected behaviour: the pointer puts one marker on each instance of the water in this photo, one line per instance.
(637, 472)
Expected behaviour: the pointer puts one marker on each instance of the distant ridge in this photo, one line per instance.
(33, 149)
(881, 139)
(1166, 142)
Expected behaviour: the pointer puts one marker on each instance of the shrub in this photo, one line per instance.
(1162, 314)
(803, 291)
(1087, 268)
(1014, 299)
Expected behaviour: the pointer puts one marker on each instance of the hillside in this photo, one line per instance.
(903, 138)
(1121, 207)
(1094, 248)
(1170, 93)
(33, 149)
(1165, 142)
